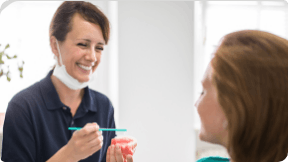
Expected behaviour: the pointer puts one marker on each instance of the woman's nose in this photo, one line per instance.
(91, 56)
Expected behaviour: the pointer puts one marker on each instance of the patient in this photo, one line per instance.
(244, 103)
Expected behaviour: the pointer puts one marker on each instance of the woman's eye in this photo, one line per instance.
(100, 48)
(80, 44)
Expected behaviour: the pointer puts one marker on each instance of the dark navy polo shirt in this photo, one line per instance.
(36, 122)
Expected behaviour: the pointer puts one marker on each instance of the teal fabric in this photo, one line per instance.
(213, 159)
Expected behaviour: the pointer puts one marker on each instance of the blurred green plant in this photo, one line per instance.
(2, 63)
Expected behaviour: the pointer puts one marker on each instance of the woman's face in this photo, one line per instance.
(213, 120)
(81, 51)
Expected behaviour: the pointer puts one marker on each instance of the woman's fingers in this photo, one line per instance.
(91, 135)
(118, 154)
(96, 141)
(86, 141)
(89, 128)
(112, 154)
(129, 158)
(108, 154)
(96, 148)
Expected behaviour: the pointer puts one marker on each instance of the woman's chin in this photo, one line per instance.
(83, 80)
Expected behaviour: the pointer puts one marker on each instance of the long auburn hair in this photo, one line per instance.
(250, 73)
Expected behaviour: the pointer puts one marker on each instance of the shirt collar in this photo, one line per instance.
(52, 100)
(88, 101)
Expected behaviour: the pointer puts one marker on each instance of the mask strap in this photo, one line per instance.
(59, 52)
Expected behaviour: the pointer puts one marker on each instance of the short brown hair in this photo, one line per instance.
(61, 22)
(250, 73)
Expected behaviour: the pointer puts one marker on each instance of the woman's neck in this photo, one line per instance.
(67, 96)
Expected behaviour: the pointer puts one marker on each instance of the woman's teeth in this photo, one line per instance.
(84, 67)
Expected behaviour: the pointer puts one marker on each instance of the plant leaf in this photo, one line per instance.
(1, 62)
(15, 56)
(8, 57)
(21, 74)
(7, 46)
(8, 76)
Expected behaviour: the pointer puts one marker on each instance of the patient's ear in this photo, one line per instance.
(225, 124)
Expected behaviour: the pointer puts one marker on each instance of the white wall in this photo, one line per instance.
(153, 69)
(156, 78)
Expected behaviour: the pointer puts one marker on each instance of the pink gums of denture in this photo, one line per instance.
(126, 145)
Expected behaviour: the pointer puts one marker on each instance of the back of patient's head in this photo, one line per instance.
(250, 72)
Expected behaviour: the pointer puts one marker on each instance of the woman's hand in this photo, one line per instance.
(114, 154)
(85, 142)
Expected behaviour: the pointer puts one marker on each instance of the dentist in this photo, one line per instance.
(37, 118)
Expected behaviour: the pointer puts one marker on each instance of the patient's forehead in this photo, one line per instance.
(207, 76)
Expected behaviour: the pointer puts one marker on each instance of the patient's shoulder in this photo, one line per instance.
(213, 159)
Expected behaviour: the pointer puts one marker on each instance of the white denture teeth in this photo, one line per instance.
(85, 67)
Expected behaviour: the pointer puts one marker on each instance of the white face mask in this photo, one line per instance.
(61, 73)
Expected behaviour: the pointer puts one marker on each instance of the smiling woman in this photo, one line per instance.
(88, 36)
(38, 117)
(81, 52)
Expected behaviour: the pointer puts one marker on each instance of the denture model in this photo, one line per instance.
(126, 143)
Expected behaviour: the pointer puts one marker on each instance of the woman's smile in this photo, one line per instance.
(84, 69)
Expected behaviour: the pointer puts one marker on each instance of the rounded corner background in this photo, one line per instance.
(5, 3)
